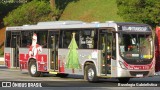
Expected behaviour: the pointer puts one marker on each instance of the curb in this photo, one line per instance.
(2, 63)
(3, 67)
(157, 74)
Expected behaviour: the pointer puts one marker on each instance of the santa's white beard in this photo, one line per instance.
(34, 43)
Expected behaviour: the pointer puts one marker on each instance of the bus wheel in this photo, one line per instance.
(90, 73)
(33, 69)
(62, 75)
(123, 80)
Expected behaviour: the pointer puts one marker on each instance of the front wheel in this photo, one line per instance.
(90, 73)
(33, 69)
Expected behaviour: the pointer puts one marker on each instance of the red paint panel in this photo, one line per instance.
(24, 57)
(7, 60)
(41, 59)
(61, 66)
(138, 67)
(42, 63)
(23, 61)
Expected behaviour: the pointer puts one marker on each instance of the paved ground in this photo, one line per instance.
(17, 75)
(73, 82)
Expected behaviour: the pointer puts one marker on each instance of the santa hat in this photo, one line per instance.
(34, 36)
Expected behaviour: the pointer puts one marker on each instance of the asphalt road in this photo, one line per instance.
(73, 82)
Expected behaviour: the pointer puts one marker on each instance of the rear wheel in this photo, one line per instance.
(123, 80)
(33, 69)
(90, 73)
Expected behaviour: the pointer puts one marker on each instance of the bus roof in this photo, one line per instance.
(68, 25)
(130, 23)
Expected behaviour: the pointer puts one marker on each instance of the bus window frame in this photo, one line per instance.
(48, 36)
(27, 46)
(15, 33)
(6, 39)
(62, 37)
(79, 31)
(38, 37)
(136, 33)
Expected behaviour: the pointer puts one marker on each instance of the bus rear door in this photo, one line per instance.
(15, 43)
(53, 48)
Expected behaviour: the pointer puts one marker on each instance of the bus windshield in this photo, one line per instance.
(136, 47)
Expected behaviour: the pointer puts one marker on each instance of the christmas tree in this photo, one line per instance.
(72, 57)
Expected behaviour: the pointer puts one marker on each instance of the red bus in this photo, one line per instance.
(157, 49)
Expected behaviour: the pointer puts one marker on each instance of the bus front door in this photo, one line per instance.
(105, 46)
(15, 43)
(53, 37)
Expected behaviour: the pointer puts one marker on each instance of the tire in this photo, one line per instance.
(90, 73)
(123, 80)
(33, 69)
(62, 75)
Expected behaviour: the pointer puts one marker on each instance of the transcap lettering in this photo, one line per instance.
(125, 28)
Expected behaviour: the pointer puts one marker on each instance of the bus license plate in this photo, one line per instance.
(139, 75)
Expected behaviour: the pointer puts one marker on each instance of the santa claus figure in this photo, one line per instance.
(34, 48)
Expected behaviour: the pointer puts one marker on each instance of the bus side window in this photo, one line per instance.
(42, 38)
(26, 38)
(88, 39)
(67, 37)
(8, 39)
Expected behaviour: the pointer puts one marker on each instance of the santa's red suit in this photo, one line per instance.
(34, 48)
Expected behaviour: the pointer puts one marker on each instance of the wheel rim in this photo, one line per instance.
(90, 74)
(33, 69)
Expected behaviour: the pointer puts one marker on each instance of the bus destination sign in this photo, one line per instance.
(135, 28)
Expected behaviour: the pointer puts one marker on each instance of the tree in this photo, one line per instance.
(5, 8)
(143, 11)
(52, 4)
(9, 5)
(29, 13)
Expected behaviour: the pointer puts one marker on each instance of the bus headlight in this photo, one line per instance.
(122, 65)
